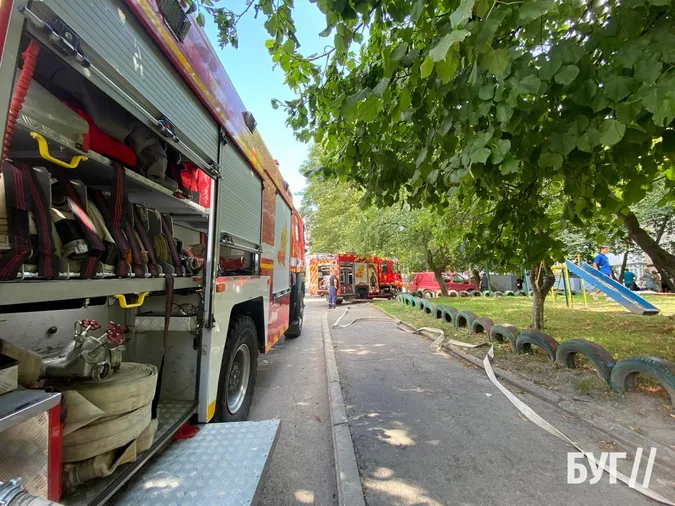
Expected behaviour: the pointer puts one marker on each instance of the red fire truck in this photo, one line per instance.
(136, 190)
(361, 277)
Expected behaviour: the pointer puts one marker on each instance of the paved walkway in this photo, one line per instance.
(429, 430)
(291, 386)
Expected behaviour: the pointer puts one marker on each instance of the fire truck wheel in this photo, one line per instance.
(238, 371)
(339, 300)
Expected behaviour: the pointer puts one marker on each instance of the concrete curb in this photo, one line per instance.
(346, 470)
(664, 455)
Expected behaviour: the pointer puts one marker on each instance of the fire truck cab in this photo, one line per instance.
(135, 189)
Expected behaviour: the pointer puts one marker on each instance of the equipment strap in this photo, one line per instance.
(18, 205)
(147, 243)
(96, 247)
(116, 232)
(165, 339)
(46, 259)
(175, 257)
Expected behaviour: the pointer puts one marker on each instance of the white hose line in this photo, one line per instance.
(520, 405)
(539, 421)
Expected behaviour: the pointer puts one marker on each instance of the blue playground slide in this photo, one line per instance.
(613, 289)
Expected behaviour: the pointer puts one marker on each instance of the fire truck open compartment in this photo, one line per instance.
(138, 80)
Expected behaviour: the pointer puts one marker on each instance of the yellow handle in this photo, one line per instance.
(44, 153)
(123, 300)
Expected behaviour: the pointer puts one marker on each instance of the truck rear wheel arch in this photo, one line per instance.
(254, 309)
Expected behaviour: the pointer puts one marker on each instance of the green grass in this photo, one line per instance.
(605, 322)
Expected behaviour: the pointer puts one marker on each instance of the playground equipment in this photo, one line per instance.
(613, 289)
(567, 286)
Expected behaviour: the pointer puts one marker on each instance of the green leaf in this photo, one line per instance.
(648, 70)
(510, 165)
(659, 3)
(200, 19)
(275, 103)
(548, 159)
(421, 157)
(617, 87)
(433, 176)
(588, 140)
(550, 66)
(339, 42)
(462, 13)
(567, 74)
(496, 61)
(530, 83)
(326, 31)
(665, 113)
(500, 149)
(486, 92)
(427, 66)
(269, 43)
(563, 143)
(480, 155)
(611, 132)
(504, 113)
(417, 10)
(483, 7)
(440, 50)
(350, 105)
(400, 51)
(532, 9)
(446, 68)
(378, 90)
(404, 99)
(367, 111)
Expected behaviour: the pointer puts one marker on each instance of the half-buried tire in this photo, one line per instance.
(482, 326)
(625, 372)
(498, 294)
(476, 293)
(531, 338)
(601, 359)
(510, 293)
(439, 311)
(505, 332)
(464, 319)
(429, 308)
(450, 314)
(453, 293)
(487, 293)
(464, 293)
(415, 302)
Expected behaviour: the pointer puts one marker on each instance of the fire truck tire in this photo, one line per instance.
(601, 359)
(428, 294)
(238, 371)
(537, 338)
(362, 293)
(505, 332)
(482, 326)
(339, 300)
(625, 372)
(453, 293)
(464, 319)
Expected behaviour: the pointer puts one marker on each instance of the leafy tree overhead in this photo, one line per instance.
(519, 104)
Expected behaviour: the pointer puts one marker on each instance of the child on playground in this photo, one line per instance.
(601, 263)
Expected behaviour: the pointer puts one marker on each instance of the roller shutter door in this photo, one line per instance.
(112, 31)
(282, 244)
(240, 203)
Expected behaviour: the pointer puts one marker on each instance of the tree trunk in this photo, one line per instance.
(475, 277)
(541, 286)
(437, 270)
(623, 267)
(662, 259)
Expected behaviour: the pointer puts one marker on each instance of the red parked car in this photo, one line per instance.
(424, 284)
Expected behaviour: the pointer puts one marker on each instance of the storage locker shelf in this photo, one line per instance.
(32, 291)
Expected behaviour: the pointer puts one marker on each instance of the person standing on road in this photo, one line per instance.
(333, 284)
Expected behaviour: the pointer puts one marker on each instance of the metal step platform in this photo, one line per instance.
(223, 464)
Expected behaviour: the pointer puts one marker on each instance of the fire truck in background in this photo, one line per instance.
(135, 189)
(361, 277)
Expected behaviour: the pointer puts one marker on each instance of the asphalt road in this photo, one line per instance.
(430, 430)
(291, 386)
